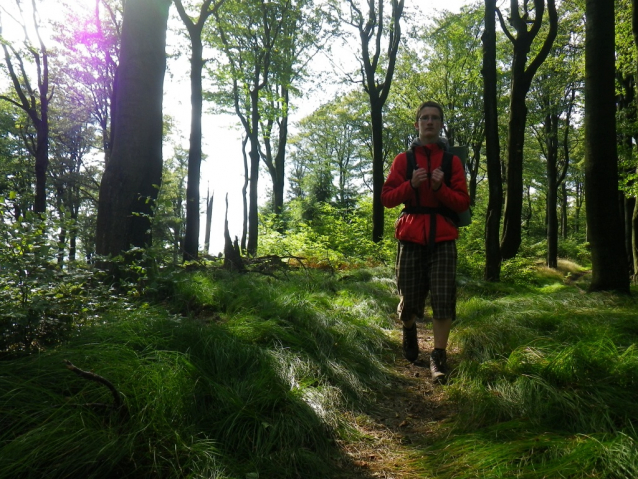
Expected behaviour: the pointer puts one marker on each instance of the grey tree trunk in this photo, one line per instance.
(551, 136)
(276, 163)
(209, 221)
(131, 178)
(370, 28)
(253, 155)
(522, 75)
(244, 189)
(191, 238)
(492, 148)
(604, 224)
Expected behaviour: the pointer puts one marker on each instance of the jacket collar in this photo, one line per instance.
(441, 144)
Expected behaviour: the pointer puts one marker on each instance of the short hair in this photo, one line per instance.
(431, 104)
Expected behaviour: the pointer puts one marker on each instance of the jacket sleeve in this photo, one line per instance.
(455, 196)
(397, 189)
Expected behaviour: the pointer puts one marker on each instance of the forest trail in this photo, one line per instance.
(412, 410)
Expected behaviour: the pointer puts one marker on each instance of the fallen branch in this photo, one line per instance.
(117, 405)
(270, 264)
(275, 261)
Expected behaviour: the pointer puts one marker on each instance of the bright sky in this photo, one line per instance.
(222, 171)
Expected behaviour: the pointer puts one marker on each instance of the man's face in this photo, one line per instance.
(429, 124)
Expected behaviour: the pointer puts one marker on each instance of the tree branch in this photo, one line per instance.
(501, 20)
(89, 376)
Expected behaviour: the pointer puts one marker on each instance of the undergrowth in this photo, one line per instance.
(545, 387)
(229, 375)
(255, 383)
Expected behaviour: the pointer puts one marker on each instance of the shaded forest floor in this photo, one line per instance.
(252, 376)
(404, 417)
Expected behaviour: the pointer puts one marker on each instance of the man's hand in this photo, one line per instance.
(437, 179)
(419, 176)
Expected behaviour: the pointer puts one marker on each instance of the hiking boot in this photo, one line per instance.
(438, 365)
(410, 343)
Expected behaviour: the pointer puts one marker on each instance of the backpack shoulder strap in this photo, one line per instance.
(411, 163)
(446, 167)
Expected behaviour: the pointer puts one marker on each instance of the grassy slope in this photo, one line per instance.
(547, 386)
(250, 376)
(252, 381)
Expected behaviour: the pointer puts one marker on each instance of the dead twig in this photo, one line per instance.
(118, 404)
(270, 264)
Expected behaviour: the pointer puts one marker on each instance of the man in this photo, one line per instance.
(426, 259)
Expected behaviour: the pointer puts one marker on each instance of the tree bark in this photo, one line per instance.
(378, 171)
(551, 138)
(563, 211)
(629, 207)
(253, 155)
(279, 185)
(131, 178)
(522, 75)
(634, 238)
(370, 30)
(277, 164)
(244, 189)
(492, 148)
(604, 224)
(191, 238)
(209, 221)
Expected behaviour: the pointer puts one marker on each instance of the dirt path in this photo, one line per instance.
(413, 410)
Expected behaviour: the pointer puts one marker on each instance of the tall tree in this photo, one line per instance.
(195, 28)
(634, 218)
(16, 172)
(34, 100)
(302, 35)
(132, 177)
(553, 99)
(329, 148)
(556, 167)
(604, 224)
(249, 34)
(377, 70)
(492, 148)
(169, 221)
(521, 79)
(73, 137)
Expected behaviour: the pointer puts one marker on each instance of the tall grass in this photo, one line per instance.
(232, 376)
(244, 376)
(546, 387)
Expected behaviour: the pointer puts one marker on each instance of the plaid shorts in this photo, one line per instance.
(419, 271)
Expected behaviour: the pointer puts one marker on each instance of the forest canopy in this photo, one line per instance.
(304, 173)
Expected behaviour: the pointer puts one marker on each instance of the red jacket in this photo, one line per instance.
(397, 189)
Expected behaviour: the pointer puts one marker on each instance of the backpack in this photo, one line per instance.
(460, 219)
